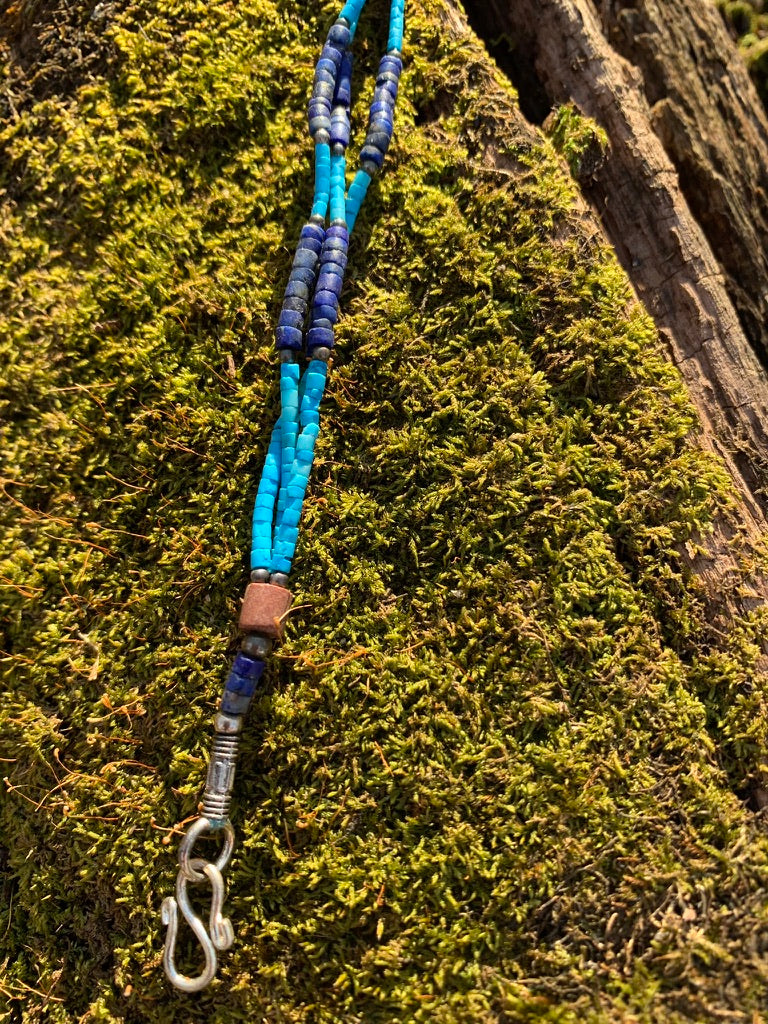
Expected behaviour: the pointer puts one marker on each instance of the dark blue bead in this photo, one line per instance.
(234, 703)
(388, 76)
(319, 107)
(329, 283)
(380, 125)
(372, 154)
(327, 64)
(333, 266)
(291, 318)
(339, 36)
(325, 298)
(240, 684)
(245, 665)
(381, 92)
(332, 245)
(339, 132)
(344, 81)
(319, 336)
(330, 53)
(306, 275)
(323, 322)
(329, 313)
(336, 231)
(297, 290)
(311, 243)
(381, 108)
(323, 91)
(313, 231)
(379, 139)
(289, 337)
(392, 64)
(295, 304)
(306, 257)
(323, 75)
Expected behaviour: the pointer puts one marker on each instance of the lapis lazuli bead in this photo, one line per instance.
(373, 154)
(319, 337)
(325, 298)
(343, 93)
(289, 337)
(339, 36)
(304, 275)
(235, 703)
(329, 313)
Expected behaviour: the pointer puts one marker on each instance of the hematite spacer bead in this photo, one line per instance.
(322, 353)
(260, 576)
(370, 168)
(254, 645)
(287, 356)
(228, 724)
(265, 606)
(337, 149)
(344, 21)
(279, 579)
(322, 136)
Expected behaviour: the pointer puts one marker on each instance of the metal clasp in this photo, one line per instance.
(219, 935)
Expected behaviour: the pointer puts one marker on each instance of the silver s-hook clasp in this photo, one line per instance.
(219, 935)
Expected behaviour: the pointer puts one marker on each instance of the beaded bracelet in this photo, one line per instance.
(317, 272)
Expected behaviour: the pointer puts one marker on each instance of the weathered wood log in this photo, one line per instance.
(682, 258)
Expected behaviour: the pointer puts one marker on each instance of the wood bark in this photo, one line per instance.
(682, 195)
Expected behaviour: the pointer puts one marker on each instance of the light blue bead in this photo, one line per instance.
(309, 416)
(313, 378)
(291, 516)
(296, 491)
(287, 535)
(263, 514)
(281, 565)
(304, 457)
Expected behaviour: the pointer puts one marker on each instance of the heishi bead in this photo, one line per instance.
(291, 318)
(329, 313)
(234, 703)
(313, 231)
(317, 336)
(289, 337)
(339, 36)
(297, 289)
(305, 258)
(371, 154)
(304, 274)
(294, 303)
(343, 92)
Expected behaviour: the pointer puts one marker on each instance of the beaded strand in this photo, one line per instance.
(307, 321)
(317, 272)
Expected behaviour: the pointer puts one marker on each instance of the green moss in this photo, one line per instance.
(749, 25)
(489, 778)
(580, 140)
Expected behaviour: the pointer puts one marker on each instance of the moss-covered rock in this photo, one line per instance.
(498, 770)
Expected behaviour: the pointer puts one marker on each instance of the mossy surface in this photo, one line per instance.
(498, 770)
(748, 21)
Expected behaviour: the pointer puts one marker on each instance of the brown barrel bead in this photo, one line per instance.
(264, 609)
